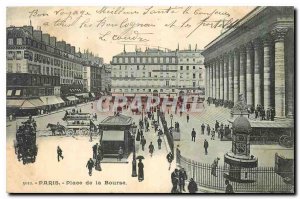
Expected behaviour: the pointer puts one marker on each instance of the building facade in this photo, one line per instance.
(255, 59)
(92, 70)
(106, 78)
(156, 71)
(40, 70)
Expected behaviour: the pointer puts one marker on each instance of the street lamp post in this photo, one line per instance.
(133, 131)
(171, 116)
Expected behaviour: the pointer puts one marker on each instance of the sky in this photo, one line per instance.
(105, 30)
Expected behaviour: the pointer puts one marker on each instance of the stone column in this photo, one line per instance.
(290, 51)
(236, 74)
(225, 61)
(214, 79)
(217, 79)
(221, 78)
(279, 35)
(206, 80)
(230, 76)
(249, 74)
(211, 79)
(243, 71)
(267, 71)
(258, 65)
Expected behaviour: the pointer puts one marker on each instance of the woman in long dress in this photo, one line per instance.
(141, 170)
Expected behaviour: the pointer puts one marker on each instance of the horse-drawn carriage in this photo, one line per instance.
(25, 143)
(80, 124)
(77, 124)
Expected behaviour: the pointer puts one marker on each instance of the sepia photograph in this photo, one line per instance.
(150, 99)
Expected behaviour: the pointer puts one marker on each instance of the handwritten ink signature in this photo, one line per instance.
(222, 23)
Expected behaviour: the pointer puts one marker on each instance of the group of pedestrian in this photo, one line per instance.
(96, 160)
(263, 114)
(178, 178)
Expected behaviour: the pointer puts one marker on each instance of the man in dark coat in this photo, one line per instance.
(95, 149)
(90, 166)
(202, 128)
(151, 149)
(193, 135)
(187, 118)
(159, 141)
(229, 188)
(140, 170)
(59, 153)
(170, 158)
(208, 129)
(143, 143)
(205, 146)
(217, 125)
(182, 179)
(192, 187)
(175, 180)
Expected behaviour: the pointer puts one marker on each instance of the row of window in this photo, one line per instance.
(137, 90)
(41, 46)
(144, 60)
(162, 75)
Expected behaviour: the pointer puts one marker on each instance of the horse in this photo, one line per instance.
(54, 127)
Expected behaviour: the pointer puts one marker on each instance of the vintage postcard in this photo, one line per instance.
(173, 99)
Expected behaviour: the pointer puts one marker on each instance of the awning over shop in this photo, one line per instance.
(49, 100)
(83, 95)
(9, 93)
(117, 94)
(60, 100)
(14, 103)
(141, 95)
(72, 98)
(129, 95)
(36, 102)
(28, 105)
(113, 136)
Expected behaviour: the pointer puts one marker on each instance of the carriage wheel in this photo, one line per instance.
(69, 132)
(281, 140)
(84, 132)
(288, 142)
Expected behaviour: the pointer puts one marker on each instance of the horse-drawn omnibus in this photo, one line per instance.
(25, 144)
(80, 124)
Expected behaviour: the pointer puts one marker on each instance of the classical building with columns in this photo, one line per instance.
(254, 58)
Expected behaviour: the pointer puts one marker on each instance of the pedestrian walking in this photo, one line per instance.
(159, 141)
(98, 162)
(193, 135)
(151, 149)
(187, 118)
(90, 166)
(175, 181)
(229, 188)
(59, 153)
(95, 149)
(140, 170)
(208, 129)
(192, 187)
(138, 135)
(205, 146)
(213, 134)
(214, 167)
(202, 128)
(143, 143)
(182, 179)
(170, 158)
